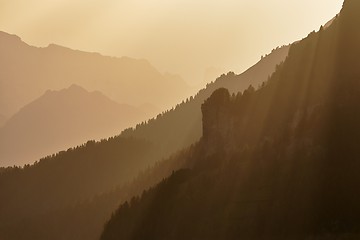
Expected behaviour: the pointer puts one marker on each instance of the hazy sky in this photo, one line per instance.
(180, 36)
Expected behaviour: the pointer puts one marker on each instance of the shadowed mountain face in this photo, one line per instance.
(62, 119)
(26, 72)
(280, 162)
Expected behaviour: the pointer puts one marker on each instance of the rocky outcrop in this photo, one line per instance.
(215, 111)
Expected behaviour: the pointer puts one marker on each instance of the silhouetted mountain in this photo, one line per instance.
(26, 72)
(184, 121)
(255, 75)
(96, 168)
(279, 162)
(62, 119)
(64, 180)
(58, 209)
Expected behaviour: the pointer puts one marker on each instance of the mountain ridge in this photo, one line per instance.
(156, 139)
(56, 67)
(151, 147)
(277, 162)
(62, 119)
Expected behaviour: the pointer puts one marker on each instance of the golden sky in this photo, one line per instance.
(179, 36)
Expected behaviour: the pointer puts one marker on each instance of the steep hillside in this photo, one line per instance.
(26, 72)
(280, 162)
(63, 180)
(59, 120)
(184, 122)
(97, 168)
(74, 204)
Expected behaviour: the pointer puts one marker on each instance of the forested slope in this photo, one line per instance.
(280, 162)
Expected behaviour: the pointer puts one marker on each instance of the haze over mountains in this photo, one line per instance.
(269, 154)
(26, 72)
(97, 168)
(184, 122)
(277, 163)
(180, 36)
(44, 68)
(62, 119)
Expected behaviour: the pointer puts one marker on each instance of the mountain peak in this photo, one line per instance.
(74, 91)
(75, 87)
(56, 46)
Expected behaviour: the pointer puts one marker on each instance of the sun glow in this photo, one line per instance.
(229, 35)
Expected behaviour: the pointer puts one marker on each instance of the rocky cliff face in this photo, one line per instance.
(215, 115)
(226, 120)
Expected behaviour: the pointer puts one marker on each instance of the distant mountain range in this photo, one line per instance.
(184, 121)
(62, 119)
(26, 72)
(95, 169)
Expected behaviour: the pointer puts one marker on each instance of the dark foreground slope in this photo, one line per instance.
(280, 162)
(44, 202)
